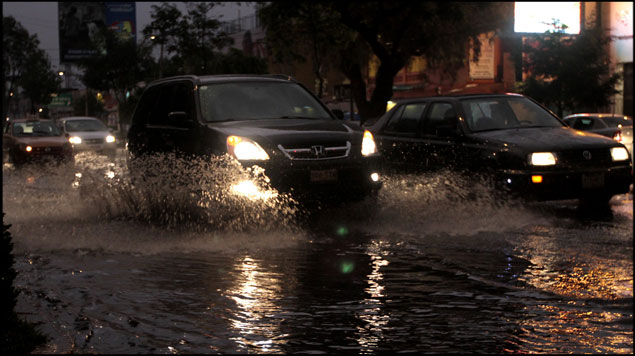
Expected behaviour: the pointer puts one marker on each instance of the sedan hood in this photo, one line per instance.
(46, 141)
(547, 138)
(272, 132)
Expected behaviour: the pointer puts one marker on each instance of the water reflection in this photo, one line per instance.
(373, 314)
(256, 295)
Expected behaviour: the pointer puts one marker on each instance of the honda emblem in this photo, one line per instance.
(318, 151)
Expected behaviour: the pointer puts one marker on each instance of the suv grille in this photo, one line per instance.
(316, 152)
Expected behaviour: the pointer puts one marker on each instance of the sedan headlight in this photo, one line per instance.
(245, 149)
(110, 138)
(75, 140)
(619, 154)
(542, 159)
(368, 144)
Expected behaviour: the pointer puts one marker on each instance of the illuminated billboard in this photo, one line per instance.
(538, 17)
(80, 23)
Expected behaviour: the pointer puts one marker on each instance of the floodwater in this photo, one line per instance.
(109, 266)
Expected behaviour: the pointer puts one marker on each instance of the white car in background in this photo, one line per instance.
(88, 134)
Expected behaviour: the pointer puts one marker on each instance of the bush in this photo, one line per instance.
(16, 336)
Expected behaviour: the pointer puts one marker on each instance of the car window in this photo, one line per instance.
(38, 128)
(144, 108)
(257, 100)
(587, 123)
(406, 119)
(441, 118)
(615, 121)
(484, 114)
(85, 125)
(159, 112)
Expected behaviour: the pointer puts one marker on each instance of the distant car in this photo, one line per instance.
(269, 121)
(524, 147)
(27, 141)
(615, 126)
(88, 134)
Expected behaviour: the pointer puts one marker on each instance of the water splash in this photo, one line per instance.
(196, 193)
(446, 202)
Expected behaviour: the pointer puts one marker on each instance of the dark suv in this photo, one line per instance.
(270, 121)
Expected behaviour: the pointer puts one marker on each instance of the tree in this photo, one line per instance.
(394, 32)
(118, 66)
(569, 72)
(26, 66)
(166, 19)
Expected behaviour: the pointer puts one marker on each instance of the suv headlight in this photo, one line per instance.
(619, 154)
(368, 144)
(75, 140)
(542, 159)
(245, 149)
(110, 138)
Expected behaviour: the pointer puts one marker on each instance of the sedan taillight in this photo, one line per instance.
(618, 136)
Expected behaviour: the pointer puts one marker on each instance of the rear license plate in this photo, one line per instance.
(327, 175)
(593, 180)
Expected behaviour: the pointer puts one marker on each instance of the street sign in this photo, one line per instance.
(65, 99)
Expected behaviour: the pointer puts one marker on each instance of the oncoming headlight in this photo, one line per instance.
(245, 149)
(542, 159)
(110, 138)
(619, 154)
(75, 140)
(368, 144)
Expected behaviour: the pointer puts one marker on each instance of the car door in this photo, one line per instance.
(169, 125)
(442, 137)
(398, 141)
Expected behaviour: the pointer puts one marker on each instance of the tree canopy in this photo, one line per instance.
(25, 66)
(349, 33)
(569, 72)
(192, 43)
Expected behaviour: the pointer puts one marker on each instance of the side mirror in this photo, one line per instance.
(338, 113)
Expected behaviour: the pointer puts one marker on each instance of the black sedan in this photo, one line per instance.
(524, 147)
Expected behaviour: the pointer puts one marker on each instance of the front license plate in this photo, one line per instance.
(593, 180)
(327, 175)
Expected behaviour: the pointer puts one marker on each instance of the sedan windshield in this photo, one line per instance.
(258, 100)
(483, 114)
(85, 125)
(26, 129)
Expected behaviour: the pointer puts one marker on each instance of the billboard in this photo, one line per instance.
(81, 22)
(537, 17)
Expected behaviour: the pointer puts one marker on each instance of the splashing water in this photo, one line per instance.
(200, 193)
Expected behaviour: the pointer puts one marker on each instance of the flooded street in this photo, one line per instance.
(105, 266)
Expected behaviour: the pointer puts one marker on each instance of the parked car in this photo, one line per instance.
(27, 141)
(270, 121)
(524, 147)
(615, 126)
(88, 134)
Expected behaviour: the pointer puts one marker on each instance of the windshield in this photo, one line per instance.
(258, 100)
(38, 128)
(483, 114)
(85, 125)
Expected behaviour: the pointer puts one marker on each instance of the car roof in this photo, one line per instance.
(207, 79)
(456, 97)
(29, 120)
(74, 118)
(600, 115)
